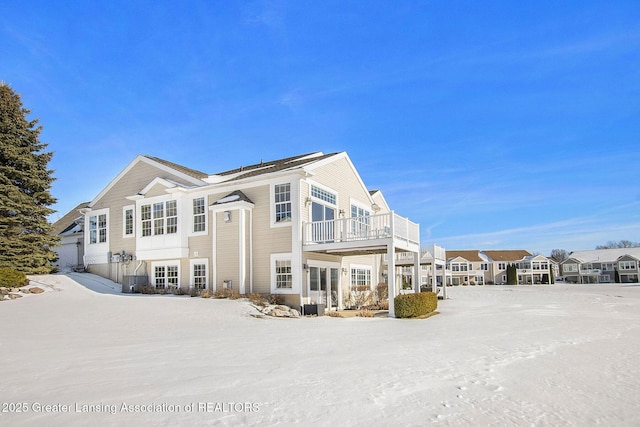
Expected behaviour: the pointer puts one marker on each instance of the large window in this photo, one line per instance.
(98, 229)
(567, 268)
(165, 276)
(199, 218)
(361, 278)
(627, 265)
(463, 266)
(159, 218)
(284, 279)
(282, 202)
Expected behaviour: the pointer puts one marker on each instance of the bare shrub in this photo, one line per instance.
(226, 293)
(365, 313)
(359, 297)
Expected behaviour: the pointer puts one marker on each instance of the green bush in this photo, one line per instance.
(414, 305)
(10, 278)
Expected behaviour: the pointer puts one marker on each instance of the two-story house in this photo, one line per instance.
(620, 265)
(304, 227)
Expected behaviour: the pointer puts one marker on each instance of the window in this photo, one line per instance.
(484, 267)
(158, 218)
(199, 219)
(128, 221)
(627, 265)
(502, 266)
(459, 267)
(200, 276)
(162, 215)
(361, 278)
(98, 229)
(172, 217)
(165, 276)
(145, 216)
(324, 195)
(360, 222)
(566, 268)
(282, 201)
(284, 279)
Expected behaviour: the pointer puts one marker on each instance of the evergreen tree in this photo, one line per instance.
(512, 275)
(26, 238)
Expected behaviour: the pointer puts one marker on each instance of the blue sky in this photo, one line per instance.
(495, 125)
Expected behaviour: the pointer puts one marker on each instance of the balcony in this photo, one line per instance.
(361, 235)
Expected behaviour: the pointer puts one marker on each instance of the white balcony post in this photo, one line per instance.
(416, 272)
(391, 277)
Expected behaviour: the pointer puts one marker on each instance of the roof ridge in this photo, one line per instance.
(194, 173)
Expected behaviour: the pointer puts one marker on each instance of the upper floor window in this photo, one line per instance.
(502, 266)
(98, 229)
(282, 193)
(128, 221)
(484, 266)
(159, 218)
(569, 268)
(322, 194)
(199, 219)
(627, 265)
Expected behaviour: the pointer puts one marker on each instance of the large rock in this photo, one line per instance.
(15, 296)
(36, 290)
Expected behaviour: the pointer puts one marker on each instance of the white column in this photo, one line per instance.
(416, 272)
(391, 277)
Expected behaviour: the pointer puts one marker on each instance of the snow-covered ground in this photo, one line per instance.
(526, 355)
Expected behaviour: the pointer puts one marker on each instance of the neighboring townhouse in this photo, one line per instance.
(490, 267)
(620, 265)
(304, 227)
(498, 262)
(536, 269)
(70, 228)
(467, 267)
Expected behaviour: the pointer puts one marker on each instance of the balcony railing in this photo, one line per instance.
(362, 228)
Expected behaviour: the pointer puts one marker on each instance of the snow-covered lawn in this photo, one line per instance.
(496, 355)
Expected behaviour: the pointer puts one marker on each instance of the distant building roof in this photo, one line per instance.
(469, 255)
(507, 255)
(604, 255)
(67, 222)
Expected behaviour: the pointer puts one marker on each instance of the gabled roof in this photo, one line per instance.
(236, 196)
(604, 255)
(469, 255)
(507, 255)
(67, 222)
(274, 166)
(185, 170)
